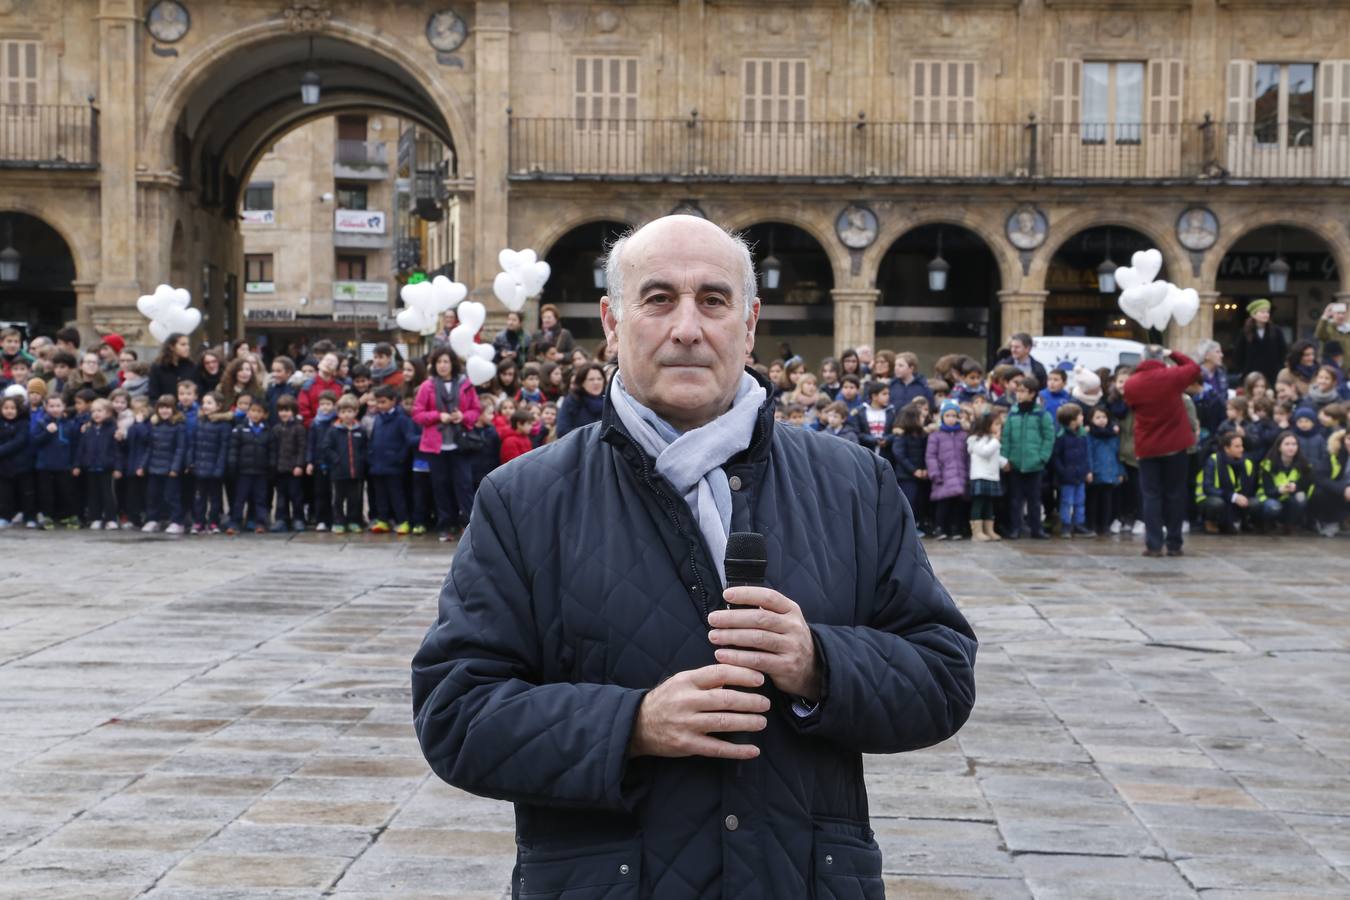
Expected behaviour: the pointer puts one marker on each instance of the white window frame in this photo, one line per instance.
(1283, 137)
(1111, 130)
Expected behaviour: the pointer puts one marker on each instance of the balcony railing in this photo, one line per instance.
(362, 153)
(700, 150)
(48, 136)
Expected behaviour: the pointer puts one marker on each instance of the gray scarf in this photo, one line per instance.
(692, 461)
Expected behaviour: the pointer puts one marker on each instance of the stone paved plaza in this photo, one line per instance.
(230, 718)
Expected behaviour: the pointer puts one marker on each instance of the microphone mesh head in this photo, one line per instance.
(745, 545)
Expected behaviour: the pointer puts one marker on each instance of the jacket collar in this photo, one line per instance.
(612, 429)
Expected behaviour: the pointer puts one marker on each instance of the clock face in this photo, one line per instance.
(168, 21)
(446, 31)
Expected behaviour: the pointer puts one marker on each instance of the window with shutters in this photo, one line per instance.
(351, 268)
(1284, 102)
(775, 96)
(258, 273)
(1113, 102)
(19, 74)
(606, 93)
(944, 92)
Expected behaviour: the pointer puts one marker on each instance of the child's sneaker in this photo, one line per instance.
(419, 529)
(197, 528)
(31, 523)
(1115, 526)
(402, 528)
(1138, 528)
(150, 527)
(260, 529)
(4, 523)
(174, 528)
(337, 529)
(93, 526)
(355, 529)
(110, 526)
(277, 527)
(213, 529)
(379, 526)
(298, 525)
(231, 530)
(71, 522)
(128, 525)
(321, 527)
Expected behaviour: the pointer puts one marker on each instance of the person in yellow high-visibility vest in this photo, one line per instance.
(1225, 490)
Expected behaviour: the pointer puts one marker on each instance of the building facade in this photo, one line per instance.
(1025, 143)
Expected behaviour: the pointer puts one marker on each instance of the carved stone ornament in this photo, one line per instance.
(307, 15)
(168, 21)
(606, 21)
(446, 31)
(775, 23)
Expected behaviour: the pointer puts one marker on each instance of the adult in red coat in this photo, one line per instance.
(325, 380)
(1162, 435)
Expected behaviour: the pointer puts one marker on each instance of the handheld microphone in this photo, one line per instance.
(745, 560)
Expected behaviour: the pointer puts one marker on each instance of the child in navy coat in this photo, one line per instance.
(321, 510)
(166, 455)
(1073, 470)
(1108, 472)
(210, 447)
(393, 437)
(55, 442)
(18, 500)
(249, 462)
(137, 452)
(98, 458)
(345, 451)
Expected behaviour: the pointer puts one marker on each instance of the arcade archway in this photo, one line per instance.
(578, 279)
(796, 309)
(1245, 274)
(931, 315)
(1076, 305)
(42, 298)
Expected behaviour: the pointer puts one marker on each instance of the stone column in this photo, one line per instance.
(1201, 328)
(1022, 311)
(855, 317)
(119, 25)
(492, 98)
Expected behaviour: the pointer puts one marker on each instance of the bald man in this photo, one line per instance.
(662, 735)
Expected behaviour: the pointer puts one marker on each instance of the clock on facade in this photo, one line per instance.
(167, 21)
(446, 31)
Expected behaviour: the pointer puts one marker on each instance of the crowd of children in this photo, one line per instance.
(401, 446)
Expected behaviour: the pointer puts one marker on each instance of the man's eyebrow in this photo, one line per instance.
(707, 287)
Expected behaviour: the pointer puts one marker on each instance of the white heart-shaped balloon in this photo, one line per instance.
(411, 319)
(1136, 302)
(1148, 263)
(508, 289)
(148, 305)
(461, 340)
(182, 298)
(480, 370)
(164, 292)
(471, 313)
(447, 293)
(417, 296)
(534, 276)
(509, 260)
(1127, 278)
(160, 331)
(183, 321)
(1185, 305)
(1158, 316)
(527, 257)
(484, 351)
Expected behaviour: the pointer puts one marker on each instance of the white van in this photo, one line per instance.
(1092, 352)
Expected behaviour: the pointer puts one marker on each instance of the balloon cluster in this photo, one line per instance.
(523, 276)
(1153, 303)
(477, 357)
(170, 311)
(426, 300)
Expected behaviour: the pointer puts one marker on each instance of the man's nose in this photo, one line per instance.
(687, 328)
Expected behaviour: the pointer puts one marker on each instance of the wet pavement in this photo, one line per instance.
(212, 718)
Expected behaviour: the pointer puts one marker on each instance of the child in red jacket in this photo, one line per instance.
(517, 440)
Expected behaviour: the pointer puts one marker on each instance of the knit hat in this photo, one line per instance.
(949, 405)
(1087, 386)
(37, 386)
(16, 391)
(1332, 348)
(1257, 305)
(1305, 412)
(115, 341)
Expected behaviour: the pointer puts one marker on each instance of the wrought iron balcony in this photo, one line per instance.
(696, 149)
(48, 136)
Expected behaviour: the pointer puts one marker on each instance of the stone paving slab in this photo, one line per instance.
(229, 720)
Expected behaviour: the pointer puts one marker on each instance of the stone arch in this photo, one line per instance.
(174, 93)
(65, 228)
(1009, 268)
(1062, 230)
(1335, 237)
(791, 215)
(556, 231)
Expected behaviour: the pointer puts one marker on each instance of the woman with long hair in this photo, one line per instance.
(446, 407)
(1261, 346)
(210, 366)
(241, 377)
(1301, 365)
(174, 364)
(585, 401)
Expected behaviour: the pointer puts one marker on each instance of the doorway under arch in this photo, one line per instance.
(42, 299)
(961, 317)
(1244, 275)
(577, 281)
(796, 314)
(1076, 305)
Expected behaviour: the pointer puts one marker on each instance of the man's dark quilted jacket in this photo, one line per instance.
(582, 582)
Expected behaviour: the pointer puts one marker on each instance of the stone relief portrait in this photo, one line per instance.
(856, 227)
(1027, 228)
(1197, 229)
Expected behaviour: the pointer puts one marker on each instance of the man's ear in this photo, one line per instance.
(610, 324)
(750, 324)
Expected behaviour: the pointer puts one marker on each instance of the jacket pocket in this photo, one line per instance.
(847, 864)
(604, 872)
